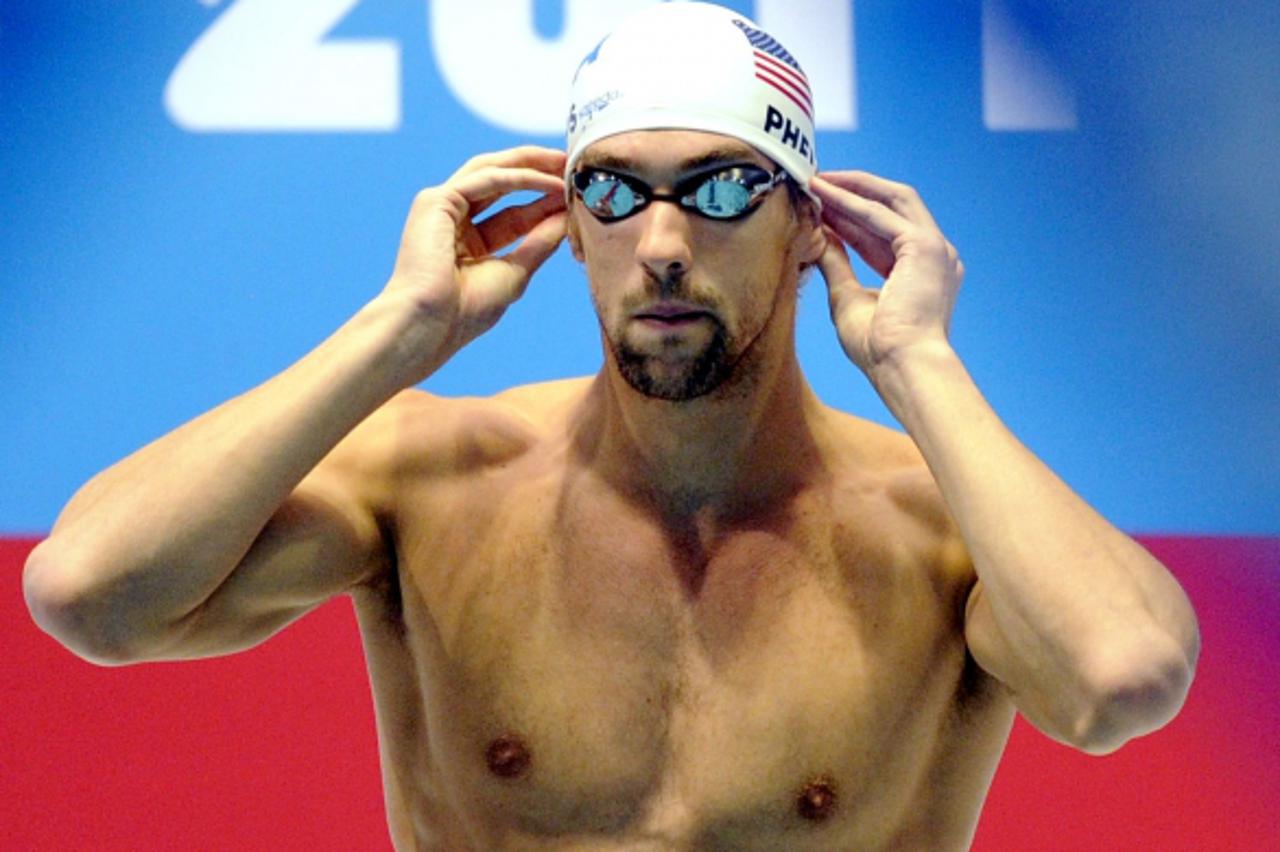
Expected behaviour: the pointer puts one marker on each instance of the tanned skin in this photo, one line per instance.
(626, 612)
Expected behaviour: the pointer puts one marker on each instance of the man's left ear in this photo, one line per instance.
(811, 240)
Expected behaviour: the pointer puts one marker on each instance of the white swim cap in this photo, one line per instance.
(695, 66)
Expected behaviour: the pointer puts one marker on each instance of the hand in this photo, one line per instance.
(447, 265)
(888, 225)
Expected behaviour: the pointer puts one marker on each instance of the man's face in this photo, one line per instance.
(680, 297)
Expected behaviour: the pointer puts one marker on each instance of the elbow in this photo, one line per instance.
(1135, 694)
(64, 605)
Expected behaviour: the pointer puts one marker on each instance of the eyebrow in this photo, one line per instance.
(716, 156)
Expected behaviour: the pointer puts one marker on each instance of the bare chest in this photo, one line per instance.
(585, 671)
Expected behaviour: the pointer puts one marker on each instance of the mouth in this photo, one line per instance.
(672, 315)
(671, 320)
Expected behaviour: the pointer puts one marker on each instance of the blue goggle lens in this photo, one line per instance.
(721, 199)
(609, 197)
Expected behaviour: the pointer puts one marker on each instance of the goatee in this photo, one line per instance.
(702, 374)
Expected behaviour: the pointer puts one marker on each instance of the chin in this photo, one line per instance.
(687, 379)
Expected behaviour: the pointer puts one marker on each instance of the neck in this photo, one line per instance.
(739, 445)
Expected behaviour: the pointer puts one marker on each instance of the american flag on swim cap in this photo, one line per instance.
(777, 68)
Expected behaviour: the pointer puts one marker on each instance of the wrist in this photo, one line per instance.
(411, 342)
(911, 375)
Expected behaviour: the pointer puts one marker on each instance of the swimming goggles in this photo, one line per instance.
(724, 193)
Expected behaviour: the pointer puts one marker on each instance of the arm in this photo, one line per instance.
(1094, 639)
(221, 532)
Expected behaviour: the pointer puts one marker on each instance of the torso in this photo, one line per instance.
(555, 666)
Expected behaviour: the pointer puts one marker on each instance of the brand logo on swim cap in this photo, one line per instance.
(590, 108)
(766, 43)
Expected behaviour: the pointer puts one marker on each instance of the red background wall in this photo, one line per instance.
(275, 748)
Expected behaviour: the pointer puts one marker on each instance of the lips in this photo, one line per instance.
(673, 319)
(672, 313)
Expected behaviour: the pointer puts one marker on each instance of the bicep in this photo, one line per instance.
(319, 544)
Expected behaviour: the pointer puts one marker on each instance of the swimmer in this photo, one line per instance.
(679, 604)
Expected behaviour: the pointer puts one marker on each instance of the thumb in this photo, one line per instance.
(535, 248)
(846, 297)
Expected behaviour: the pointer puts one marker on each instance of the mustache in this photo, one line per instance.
(667, 284)
(676, 286)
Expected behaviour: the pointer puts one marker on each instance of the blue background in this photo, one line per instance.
(1120, 309)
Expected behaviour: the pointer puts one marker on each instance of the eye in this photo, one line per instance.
(607, 195)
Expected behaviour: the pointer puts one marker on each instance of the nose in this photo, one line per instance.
(663, 247)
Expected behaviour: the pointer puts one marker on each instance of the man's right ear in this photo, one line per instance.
(575, 239)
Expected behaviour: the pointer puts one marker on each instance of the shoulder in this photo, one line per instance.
(879, 475)
(866, 455)
(418, 433)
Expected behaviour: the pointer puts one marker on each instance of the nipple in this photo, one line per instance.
(507, 757)
(817, 801)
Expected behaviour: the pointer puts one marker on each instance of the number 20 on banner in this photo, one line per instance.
(266, 66)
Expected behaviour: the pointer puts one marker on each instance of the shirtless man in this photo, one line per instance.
(680, 604)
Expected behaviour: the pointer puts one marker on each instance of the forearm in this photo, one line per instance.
(154, 535)
(1080, 607)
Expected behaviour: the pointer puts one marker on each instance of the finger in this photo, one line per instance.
(841, 204)
(478, 208)
(485, 186)
(846, 297)
(535, 248)
(834, 261)
(547, 160)
(898, 197)
(875, 250)
(506, 226)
